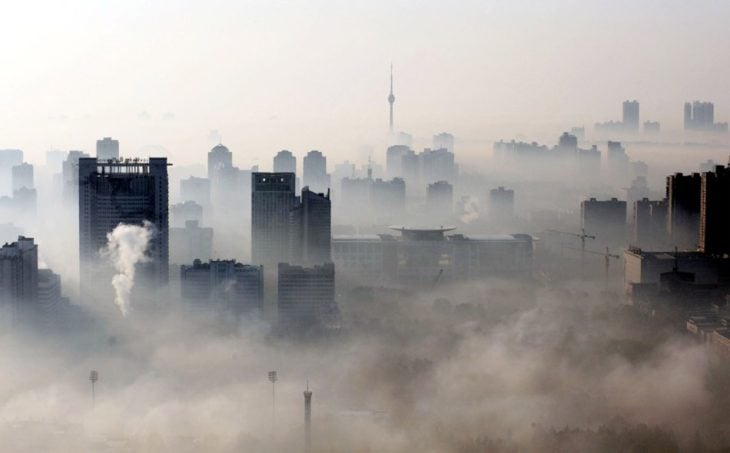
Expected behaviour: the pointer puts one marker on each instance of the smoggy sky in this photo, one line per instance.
(314, 75)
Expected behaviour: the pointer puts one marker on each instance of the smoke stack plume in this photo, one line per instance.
(126, 247)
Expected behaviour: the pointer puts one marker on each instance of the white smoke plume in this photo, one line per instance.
(126, 247)
(470, 209)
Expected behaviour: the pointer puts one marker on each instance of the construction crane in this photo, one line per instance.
(583, 236)
(607, 255)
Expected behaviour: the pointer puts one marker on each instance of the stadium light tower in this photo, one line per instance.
(93, 377)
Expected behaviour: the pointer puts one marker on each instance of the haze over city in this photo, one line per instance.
(381, 227)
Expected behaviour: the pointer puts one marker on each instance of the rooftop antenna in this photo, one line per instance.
(93, 377)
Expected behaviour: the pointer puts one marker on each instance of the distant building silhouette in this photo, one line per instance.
(223, 286)
(631, 115)
(605, 219)
(700, 116)
(184, 212)
(315, 171)
(107, 148)
(649, 224)
(444, 140)
(440, 199)
(501, 204)
(197, 190)
(22, 176)
(285, 162)
(306, 296)
(190, 243)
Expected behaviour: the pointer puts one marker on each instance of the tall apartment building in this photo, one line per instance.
(310, 233)
(306, 295)
(22, 176)
(683, 210)
(272, 197)
(606, 219)
(107, 148)
(285, 162)
(121, 192)
(715, 212)
(315, 171)
(18, 277)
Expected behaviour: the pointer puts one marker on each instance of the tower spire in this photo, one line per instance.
(391, 98)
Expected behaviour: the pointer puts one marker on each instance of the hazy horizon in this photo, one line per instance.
(314, 75)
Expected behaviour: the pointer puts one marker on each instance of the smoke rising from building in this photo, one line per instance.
(127, 247)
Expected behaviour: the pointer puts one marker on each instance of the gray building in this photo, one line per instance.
(306, 296)
(631, 118)
(184, 212)
(428, 256)
(437, 165)
(8, 159)
(285, 162)
(315, 172)
(197, 190)
(310, 233)
(107, 148)
(683, 210)
(649, 226)
(444, 140)
(714, 234)
(440, 199)
(18, 278)
(190, 243)
(22, 176)
(393, 160)
(223, 286)
(272, 198)
(501, 204)
(605, 219)
(121, 192)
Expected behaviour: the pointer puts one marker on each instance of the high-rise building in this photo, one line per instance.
(631, 116)
(440, 199)
(605, 219)
(649, 224)
(8, 159)
(190, 243)
(683, 210)
(129, 192)
(107, 148)
(388, 198)
(306, 295)
(71, 177)
(219, 158)
(444, 140)
(285, 162)
(393, 160)
(184, 212)
(700, 116)
(22, 176)
(714, 213)
(315, 172)
(568, 143)
(437, 165)
(18, 277)
(272, 197)
(223, 285)
(310, 230)
(49, 297)
(501, 204)
(196, 189)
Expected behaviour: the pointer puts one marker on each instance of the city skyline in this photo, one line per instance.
(322, 97)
